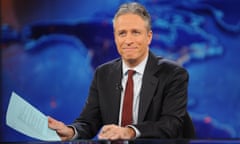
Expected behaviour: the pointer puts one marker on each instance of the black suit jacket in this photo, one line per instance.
(163, 99)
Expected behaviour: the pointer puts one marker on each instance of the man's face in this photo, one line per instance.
(132, 38)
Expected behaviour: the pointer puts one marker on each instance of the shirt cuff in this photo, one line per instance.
(75, 132)
(137, 132)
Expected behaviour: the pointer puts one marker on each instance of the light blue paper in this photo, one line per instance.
(26, 119)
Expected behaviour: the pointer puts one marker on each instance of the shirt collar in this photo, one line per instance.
(139, 68)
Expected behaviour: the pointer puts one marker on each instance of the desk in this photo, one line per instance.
(138, 141)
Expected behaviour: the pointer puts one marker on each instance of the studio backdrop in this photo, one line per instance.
(50, 49)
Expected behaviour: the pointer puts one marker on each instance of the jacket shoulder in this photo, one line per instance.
(169, 66)
(113, 64)
(168, 62)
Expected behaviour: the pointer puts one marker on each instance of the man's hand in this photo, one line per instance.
(114, 132)
(65, 132)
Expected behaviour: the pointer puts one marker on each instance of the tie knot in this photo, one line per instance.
(131, 73)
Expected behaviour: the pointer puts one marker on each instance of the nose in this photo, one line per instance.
(129, 39)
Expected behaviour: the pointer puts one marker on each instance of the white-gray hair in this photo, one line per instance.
(134, 8)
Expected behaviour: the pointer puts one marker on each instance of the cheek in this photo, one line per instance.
(118, 46)
(145, 41)
(118, 43)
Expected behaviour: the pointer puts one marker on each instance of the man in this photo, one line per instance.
(159, 88)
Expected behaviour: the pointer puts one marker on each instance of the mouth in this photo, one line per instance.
(129, 48)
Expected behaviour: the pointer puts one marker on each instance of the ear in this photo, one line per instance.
(150, 35)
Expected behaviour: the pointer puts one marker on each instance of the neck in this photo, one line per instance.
(131, 63)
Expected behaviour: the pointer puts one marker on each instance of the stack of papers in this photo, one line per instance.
(26, 119)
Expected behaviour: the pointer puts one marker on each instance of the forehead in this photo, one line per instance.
(129, 21)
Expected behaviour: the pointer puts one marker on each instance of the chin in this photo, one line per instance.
(131, 60)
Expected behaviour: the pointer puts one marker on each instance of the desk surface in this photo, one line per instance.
(138, 141)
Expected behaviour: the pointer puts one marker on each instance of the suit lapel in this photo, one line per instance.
(149, 85)
(115, 96)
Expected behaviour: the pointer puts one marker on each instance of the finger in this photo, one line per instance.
(114, 136)
(51, 120)
(112, 133)
(51, 123)
(105, 136)
(109, 136)
(54, 124)
(105, 129)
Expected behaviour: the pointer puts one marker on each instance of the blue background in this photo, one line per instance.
(50, 49)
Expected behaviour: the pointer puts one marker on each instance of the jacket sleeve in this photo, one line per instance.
(89, 121)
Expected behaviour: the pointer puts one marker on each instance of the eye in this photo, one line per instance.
(136, 32)
(121, 33)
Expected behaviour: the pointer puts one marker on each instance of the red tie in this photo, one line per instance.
(128, 101)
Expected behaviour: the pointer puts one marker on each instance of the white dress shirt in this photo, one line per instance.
(137, 84)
